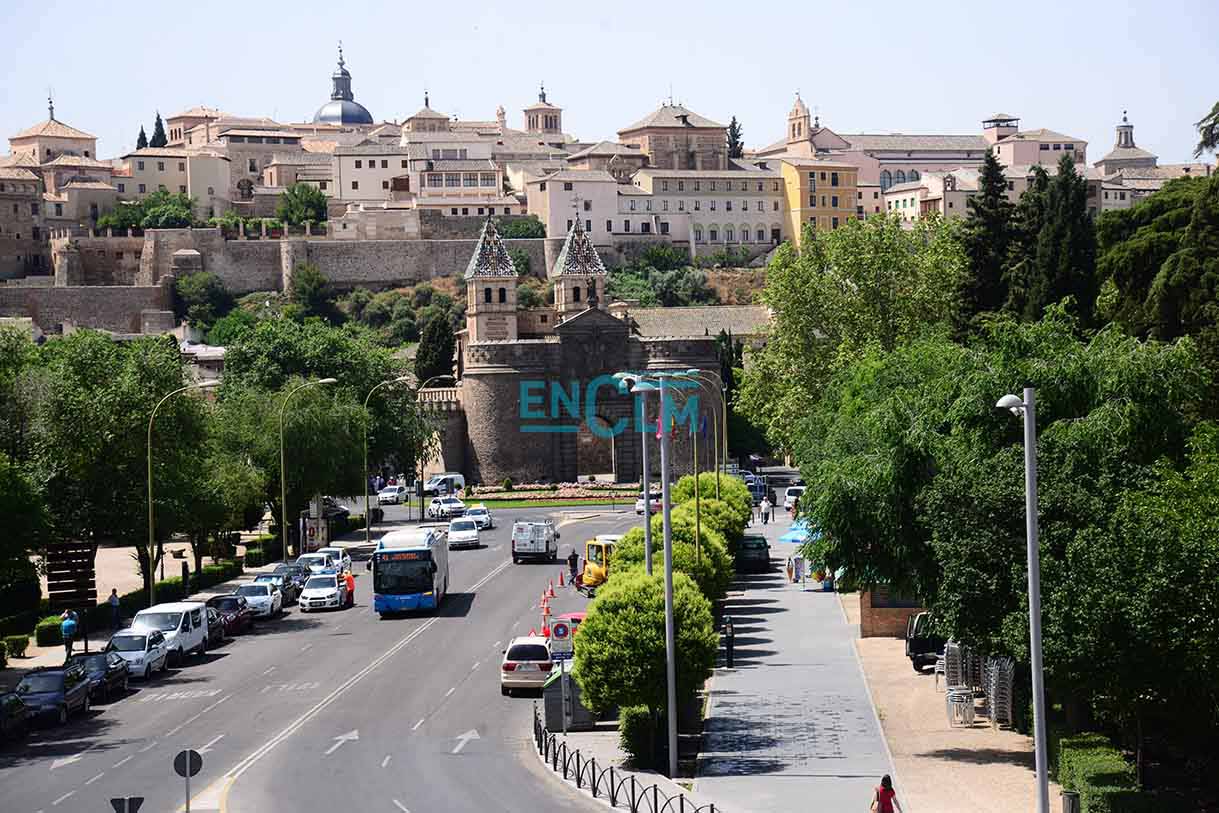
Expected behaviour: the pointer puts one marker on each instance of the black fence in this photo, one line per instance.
(620, 788)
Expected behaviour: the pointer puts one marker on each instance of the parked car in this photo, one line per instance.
(145, 651)
(792, 495)
(234, 611)
(298, 573)
(332, 509)
(315, 562)
(656, 503)
(107, 673)
(15, 717)
(757, 491)
(448, 482)
(753, 554)
(55, 692)
(481, 516)
(324, 591)
(282, 582)
(445, 508)
(392, 495)
(215, 628)
(463, 533)
(923, 647)
(526, 664)
(183, 623)
(264, 599)
(342, 558)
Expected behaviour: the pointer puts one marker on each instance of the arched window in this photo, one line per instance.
(914, 176)
(503, 295)
(698, 234)
(900, 177)
(592, 293)
(729, 234)
(745, 235)
(487, 295)
(575, 293)
(713, 235)
(761, 235)
(886, 179)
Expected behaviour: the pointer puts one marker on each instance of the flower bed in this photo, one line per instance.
(554, 491)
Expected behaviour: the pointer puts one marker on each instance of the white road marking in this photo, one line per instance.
(61, 798)
(385, 761)
(306, 647)
(148, 747)
(416, 725)
(400, 806)
(496, 644)
(515, 624)
(450, 691)
(342, 738)
(476, 665)
(241, 767)
(62, 761)
(123, 761)
(269, 671)
(94, 779)
(209, 745)
(462, 739)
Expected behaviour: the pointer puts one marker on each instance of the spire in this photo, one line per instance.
(340, 54)
(578, 255)
(50, 105)
(542, 93)
(491, 257)
(426, 102)
(341, 81)
(1125, 132)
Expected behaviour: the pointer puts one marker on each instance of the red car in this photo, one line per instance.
(235, 613)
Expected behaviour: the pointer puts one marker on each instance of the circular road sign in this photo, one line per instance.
(188, 763)
(560, 630)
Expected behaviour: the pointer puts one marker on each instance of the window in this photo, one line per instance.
(122, 188)
(138, 164)
(487, 295)
(626, 226)
(729, 235)
(713, 205)
(886, 179)
(698, 186)
(486, 179)
(698, 204)
(212, 190)
(435, 180)
(761, 235)
(542, 186)
(631, 205)
(1121, 195)
(774, 206)
(681, 206)
(834, 201)
(181, 166)
(713, 186)
(1057, 147)
(833, 179)
(727, 206)
(143, 189)
(875, 195)
(435, 154)
(681, 186)
(645, 227)
(698, 234)
(823, 176)
(914, 176)
(359, 164)
(745, 234)
(609, 226)
(567, 186)
(664, 186)
(385, 184)
(355, 185)
(575, 293)
(760, 208)
(384, 164)
(664, 205)
(452, 179)
(453, 211)
(469, 179)
(503, 295)
(664, 227)
(647, 204)
(775, 188)
(950, 206)
(1045, 146)
(404, 163)
(568, 225)
(252, 165)
(833, 222)
(160, 166)
(812, 200)
(1011, 185)
(823, 201)
(900, 177)
(759, 186)
(465, 210)
(588, 225)
(713, 235)
(182, 188)
(588, 205)
(59, 210)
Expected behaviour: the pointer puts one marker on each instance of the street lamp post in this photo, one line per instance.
(367, 508)
(419, 482)
(1027, 408)
(152, 545)
(283, 468)
(647, 492)
(670, 642)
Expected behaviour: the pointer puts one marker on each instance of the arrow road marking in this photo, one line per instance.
(416, 725)
(62, 761)
(400, 806)
(385, 761)
(342, 738)
(462, 739)
(208, 747)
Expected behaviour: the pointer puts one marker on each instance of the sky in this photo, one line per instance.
(937, 66)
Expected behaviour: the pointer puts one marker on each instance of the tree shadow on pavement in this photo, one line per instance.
(293, 622)
(44, 742)
(983, 756)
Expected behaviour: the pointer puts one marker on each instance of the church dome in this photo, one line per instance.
(342, 107)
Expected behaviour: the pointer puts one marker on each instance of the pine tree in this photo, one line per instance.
(1065, 262)
(735, 145)
(436, 346)
(158, 133)
(987, 239)
(142, 141)
(1022, 251)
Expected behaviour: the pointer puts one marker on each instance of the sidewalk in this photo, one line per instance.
(792, 726)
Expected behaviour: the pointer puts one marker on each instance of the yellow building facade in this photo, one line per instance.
(820, 194)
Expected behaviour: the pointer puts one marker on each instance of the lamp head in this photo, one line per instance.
(1012, 403)
(208, 385)
(402, 379)
(327, 381)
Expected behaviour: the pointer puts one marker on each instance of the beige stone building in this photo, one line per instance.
(676, 138)
(543, 117)
(179, 124)
(821, 194)
(202, 174)
(52, 138)
(22, 238)
(619, 160)
(606, 211)
(742, 204)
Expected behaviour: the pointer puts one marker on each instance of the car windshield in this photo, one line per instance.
(263, 578)
(226, 605)
(451, 501)
(253, 590)
(320, 583)
(463, 525)
(390, 490)
(158, 621)
(98, 661)
(528, 652)
(47, 682)
(310, 560)
(128, 643)
(754, 544)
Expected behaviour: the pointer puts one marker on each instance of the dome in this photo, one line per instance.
(342, 111)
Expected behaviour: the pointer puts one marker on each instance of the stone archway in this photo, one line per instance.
(596, 448)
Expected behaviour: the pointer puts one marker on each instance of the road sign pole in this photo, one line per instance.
(188, 792)
(563, 693)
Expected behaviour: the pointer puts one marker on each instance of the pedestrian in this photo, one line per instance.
(885, 799)
(67, 629)
(765, 510)
(573, 563)
(351, 589)
(115, 610)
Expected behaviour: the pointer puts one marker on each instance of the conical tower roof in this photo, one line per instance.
(578, 256)
(490, 255)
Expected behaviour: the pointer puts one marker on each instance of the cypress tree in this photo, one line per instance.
(142, 140)
(1065, 262)
(1027, 220)
(987, 239)
(736, 146)
(436, 346)
(158, 133)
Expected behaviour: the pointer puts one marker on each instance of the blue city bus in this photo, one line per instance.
(410, 570)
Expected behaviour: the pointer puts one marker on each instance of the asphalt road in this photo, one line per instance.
(320, 711)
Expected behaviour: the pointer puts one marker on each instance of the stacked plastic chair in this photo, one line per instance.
(959, 700)
(1001, 673)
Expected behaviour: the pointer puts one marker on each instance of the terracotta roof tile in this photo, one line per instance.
(53, 129)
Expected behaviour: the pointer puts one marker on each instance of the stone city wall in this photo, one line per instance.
(107, 307)
(103, 260)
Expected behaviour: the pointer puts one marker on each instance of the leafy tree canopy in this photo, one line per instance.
(519, 228)
(301, 203)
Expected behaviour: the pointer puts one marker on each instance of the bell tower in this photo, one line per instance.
(579, 275)
(490, 289)
(799, 125)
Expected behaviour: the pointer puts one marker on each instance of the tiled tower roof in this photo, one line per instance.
(490, 256)
(578, 256)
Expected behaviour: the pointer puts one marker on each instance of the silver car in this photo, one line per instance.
(264, 599)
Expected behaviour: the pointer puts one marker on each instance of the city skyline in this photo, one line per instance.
(607, 72)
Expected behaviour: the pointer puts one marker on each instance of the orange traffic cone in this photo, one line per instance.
(545, 630)
(550, 591)
(533, 632)
(545, 610)
(560, 578)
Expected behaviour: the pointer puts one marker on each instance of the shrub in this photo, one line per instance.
(711, 572)
(47, 632)
(3, 655)
(507, 484)
(637, 735)
(20, 623)
(733, 492)
(15, 645)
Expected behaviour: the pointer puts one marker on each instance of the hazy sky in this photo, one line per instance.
(881, 66)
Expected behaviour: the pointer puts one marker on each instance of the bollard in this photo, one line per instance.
(1070, 801)
(729, 640)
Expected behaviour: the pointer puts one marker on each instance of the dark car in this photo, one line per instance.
(923, 647)
(753, 555)
(54, 693)
(15, 717)
(298, 573)
(215, 628)
(107, 672)
(282, 582)
(234, 611)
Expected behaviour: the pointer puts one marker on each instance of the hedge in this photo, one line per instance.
(1089, 765)
(47, 632)
(19, 623)
(3, 656)
(15, 645)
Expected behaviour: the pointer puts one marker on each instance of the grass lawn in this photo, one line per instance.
(555, 503)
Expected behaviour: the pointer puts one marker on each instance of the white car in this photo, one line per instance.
(392, 495)
(316, 562)
(463, 533)
(145, 651)
(263, 598)
(793, 494)
(656, 500)
(183, 623)
(341, 558)
(445, 508)
(323, 592)
(526, 664)
(481, 516)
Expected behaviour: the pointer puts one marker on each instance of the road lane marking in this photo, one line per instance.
(94, 779)
(462, 739)
(341, 739)
(400, 806)
(208, 746)
(385, 761)
(123, 761)
(61, 798)
(190, 720)
(416, 725)
(148, 747)
(496, 645)
(450, 691)
(306, 647)
(476, 665)
(269, 671)
(241, 767)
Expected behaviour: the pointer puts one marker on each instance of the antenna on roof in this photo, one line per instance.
(426, 103)
(340, 53)
(51, 102)
(670, 94)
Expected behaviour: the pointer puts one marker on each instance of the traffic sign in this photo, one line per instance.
(188, 763)
(130, 804)
(560, 631)
(562, 655)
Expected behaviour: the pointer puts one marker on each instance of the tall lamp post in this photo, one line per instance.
(152, 544)
(283, 468)
(722, 435)
(1027, 408)
(367, 508)
(418, 390)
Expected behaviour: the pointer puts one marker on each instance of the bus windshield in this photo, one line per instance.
(401, 576)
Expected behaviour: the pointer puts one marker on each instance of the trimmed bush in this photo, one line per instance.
(637, 735)
(15, 645)
(507, 484)
(21, 623)
(47, 632)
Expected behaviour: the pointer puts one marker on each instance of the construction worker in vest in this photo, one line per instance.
(351, 589)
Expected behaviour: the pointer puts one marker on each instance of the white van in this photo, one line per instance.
(534, 540)
(184, 624)
(449, 482)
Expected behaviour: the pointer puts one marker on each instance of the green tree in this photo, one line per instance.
(1208, 132)
(1030, 216)
(736, 146)
(520, 261)
(436, 348)
(530, 294)
(520, 228)
(682, 286)
(711, 567)
(229, 328)
(27, 522)
(301, 203)
(310, 289)
(202, 299)
(733, 494)
(141, 141)
(159, 138)
(986, 239)
(1065, 264)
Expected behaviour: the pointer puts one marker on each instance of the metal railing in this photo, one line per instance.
(620, 788)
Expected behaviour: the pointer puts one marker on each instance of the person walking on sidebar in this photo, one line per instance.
(115, 611)
(765, 510)
(351, 589)
(885, 800)
(573, 562)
